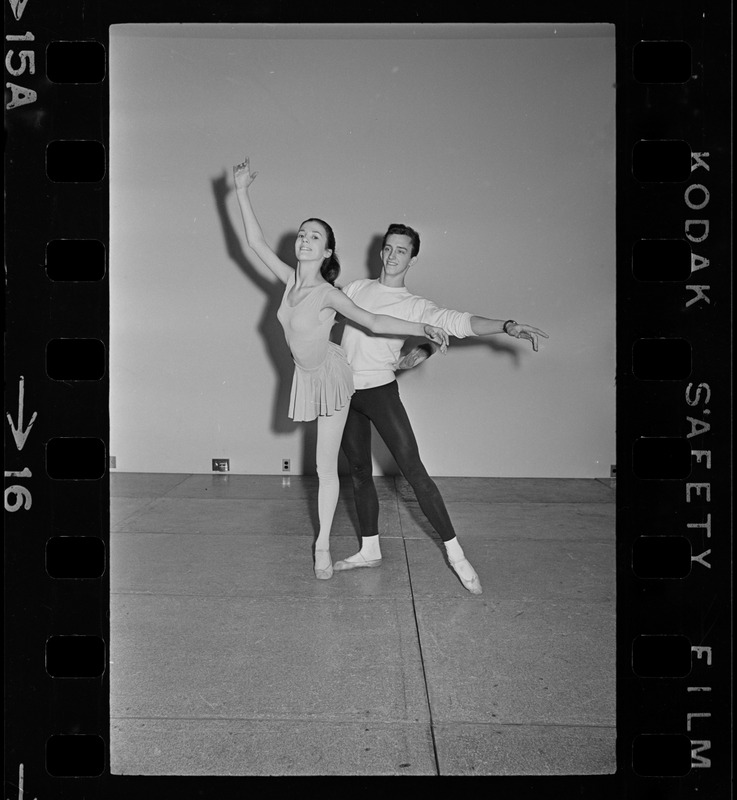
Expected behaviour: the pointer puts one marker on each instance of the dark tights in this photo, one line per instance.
(383, 406)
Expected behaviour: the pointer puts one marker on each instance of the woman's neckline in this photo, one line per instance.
(307, 294)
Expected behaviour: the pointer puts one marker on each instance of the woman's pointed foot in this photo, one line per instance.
(467, 574)
(323, 565)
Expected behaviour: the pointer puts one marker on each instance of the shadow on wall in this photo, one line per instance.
(373, 257)
(493, 344)
(273, 336)
(268, 325)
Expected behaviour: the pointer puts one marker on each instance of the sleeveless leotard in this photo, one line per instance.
(323, 380)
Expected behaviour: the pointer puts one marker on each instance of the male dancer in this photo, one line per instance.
(373, 360)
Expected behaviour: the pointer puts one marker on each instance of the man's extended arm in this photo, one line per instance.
(480, 326)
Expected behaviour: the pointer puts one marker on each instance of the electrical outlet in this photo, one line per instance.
(613, 471)
(112, 462)
(286, 465)
(221, 465)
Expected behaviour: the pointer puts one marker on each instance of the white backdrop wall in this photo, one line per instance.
(495, 142)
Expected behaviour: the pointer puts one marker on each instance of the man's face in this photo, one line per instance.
(396, 254)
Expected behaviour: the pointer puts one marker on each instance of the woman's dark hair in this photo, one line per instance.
(403, 230)
(330, 268)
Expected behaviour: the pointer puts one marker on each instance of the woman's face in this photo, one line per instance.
(311, 243)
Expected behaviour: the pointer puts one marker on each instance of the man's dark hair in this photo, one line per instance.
(404, 230)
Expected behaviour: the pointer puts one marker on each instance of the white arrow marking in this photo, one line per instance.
(21, 781)
(18, 6)
(19, 434)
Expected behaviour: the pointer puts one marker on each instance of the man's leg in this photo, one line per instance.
(356, 445)
(392, 423)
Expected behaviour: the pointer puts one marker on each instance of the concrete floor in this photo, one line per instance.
(229, 658)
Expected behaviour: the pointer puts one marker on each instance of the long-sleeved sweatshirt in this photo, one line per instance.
(373, 358)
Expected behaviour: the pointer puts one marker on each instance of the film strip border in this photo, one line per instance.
(673, 387)
(56, 496)
(674, 410)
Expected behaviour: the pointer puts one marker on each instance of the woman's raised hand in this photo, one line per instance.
(437, 335)
(242, 175)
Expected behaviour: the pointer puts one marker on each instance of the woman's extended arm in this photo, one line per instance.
(385, 324)
(243, 178)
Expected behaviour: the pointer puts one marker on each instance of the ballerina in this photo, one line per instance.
(323, 381)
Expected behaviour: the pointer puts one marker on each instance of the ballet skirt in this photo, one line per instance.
(323, 380)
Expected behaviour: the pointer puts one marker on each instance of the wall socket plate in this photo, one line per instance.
(112, 462)
(221, 465)
(286, 465)
(613, 471)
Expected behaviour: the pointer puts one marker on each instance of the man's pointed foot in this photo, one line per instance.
(355, 562)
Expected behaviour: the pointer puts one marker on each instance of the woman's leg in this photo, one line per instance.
(329, 435)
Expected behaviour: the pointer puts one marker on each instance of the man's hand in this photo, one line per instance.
(414, 357)
(521, 331)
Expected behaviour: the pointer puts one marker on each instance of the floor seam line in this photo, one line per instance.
(329, 721)
(422, 657)
(323, 720)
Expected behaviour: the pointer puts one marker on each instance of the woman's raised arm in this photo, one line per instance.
(243, 178)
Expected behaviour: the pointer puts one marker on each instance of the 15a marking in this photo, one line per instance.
(17, 64)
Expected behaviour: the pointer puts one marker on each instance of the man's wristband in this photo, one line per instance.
(506, 324)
